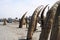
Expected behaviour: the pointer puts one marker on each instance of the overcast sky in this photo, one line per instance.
(16, 8)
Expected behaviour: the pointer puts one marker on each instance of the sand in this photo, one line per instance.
(12, 32)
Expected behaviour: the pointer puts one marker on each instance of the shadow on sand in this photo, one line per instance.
(22, 39)
(1, 24)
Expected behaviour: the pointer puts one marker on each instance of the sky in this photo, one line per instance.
(16, 8)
